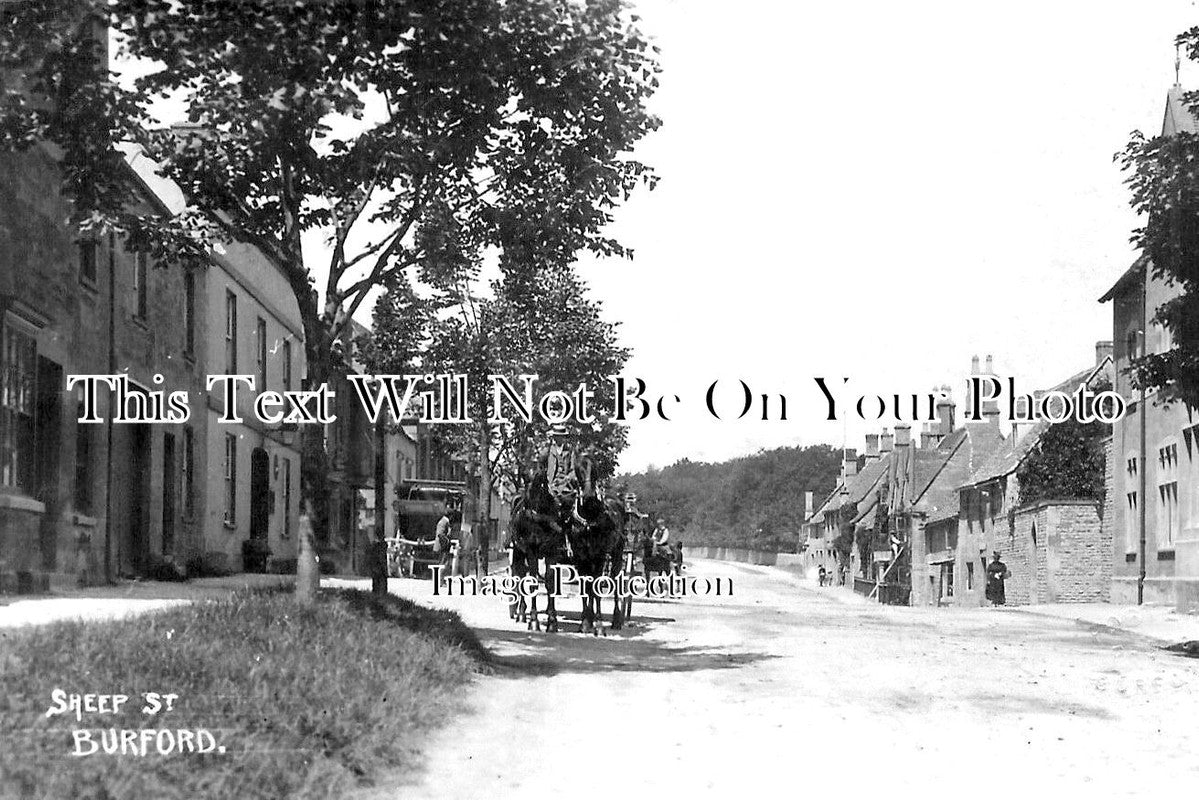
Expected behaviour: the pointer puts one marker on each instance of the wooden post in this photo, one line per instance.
(308, 572)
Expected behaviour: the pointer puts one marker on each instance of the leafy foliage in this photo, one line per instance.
(756, 501)
(1067, 463)
(422, 131)
(413, 136)
(1165, 192)
(539, 324)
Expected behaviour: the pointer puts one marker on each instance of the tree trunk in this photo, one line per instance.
(314, 462)
(308, 572)
(483, 507)
(378, 547)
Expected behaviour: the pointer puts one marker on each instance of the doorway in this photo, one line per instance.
(168, 495)
(137, 551)
(47, 434)
(260, 490)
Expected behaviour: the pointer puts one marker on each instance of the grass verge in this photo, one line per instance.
(305, 702)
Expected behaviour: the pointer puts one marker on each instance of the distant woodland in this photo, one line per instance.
(756, 501)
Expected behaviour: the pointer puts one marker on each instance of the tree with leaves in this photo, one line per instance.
(1068, 461)
(755, 501)
(407, 136)
(538, 323)
(1165, 192)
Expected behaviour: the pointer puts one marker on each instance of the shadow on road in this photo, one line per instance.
(528, 654)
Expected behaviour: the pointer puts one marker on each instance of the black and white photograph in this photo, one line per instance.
(449, 399)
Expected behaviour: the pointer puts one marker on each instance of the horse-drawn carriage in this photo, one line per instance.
(409, 558)
(421, 504)
(598, 538)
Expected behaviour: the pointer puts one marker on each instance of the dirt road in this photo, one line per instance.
(784, 687)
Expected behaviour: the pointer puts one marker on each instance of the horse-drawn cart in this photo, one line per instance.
(409, 558)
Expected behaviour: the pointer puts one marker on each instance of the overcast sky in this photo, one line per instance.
(878, 190)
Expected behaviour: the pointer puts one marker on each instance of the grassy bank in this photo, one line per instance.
(305, 703)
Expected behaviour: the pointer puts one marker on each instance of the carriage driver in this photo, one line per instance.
(661, 537)
(560, 468)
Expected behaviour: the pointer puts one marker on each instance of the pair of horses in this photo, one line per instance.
(593, 539)
(590, 538)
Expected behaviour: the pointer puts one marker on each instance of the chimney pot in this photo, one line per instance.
(850, 465)
(945, 412)
(974, 365)
(990, 369)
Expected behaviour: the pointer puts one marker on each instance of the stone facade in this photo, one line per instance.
(1056, 553)
(1154, 485)
(75, 308)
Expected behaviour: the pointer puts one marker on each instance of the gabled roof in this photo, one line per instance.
(1005, 460)
(860, 485)
(1178, 117)
(1133, 276)
(938, 472)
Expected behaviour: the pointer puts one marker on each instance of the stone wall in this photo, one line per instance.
(792, 562)
(1059, 552)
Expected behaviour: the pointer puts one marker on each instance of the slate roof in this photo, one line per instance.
(1005, 460)
(860, 485)
(1178, 117)
(1131, 277)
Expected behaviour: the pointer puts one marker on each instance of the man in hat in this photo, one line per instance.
(997, 573)
(661, 537)
(560, 468)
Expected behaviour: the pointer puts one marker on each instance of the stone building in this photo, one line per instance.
(1154, 455)
(239, 480)
(1052, 547)
(85, 501)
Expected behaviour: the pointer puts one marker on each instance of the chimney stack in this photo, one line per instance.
(849, 466)
(945, 409)
(807, 506)
(886, 442)
(903, 434)
(1102, 350)
(871, 447)
(990, 408)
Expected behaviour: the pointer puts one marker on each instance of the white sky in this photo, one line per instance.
(878, 190)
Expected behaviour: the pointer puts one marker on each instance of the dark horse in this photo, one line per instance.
(653, 561)
(598, 542)
(589, 537)
(536, 535)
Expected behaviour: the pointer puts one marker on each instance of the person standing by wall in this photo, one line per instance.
(997, 573)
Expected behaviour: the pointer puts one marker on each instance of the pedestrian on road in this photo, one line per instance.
(822, 574)
(441, 540)
(997, 573)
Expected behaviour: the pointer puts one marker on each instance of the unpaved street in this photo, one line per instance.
(787, 688)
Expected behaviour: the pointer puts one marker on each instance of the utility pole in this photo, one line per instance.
(1143, 466)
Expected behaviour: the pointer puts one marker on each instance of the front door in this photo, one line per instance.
(168, 495)
(138, 540)
(260, 490)
(48, 438)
